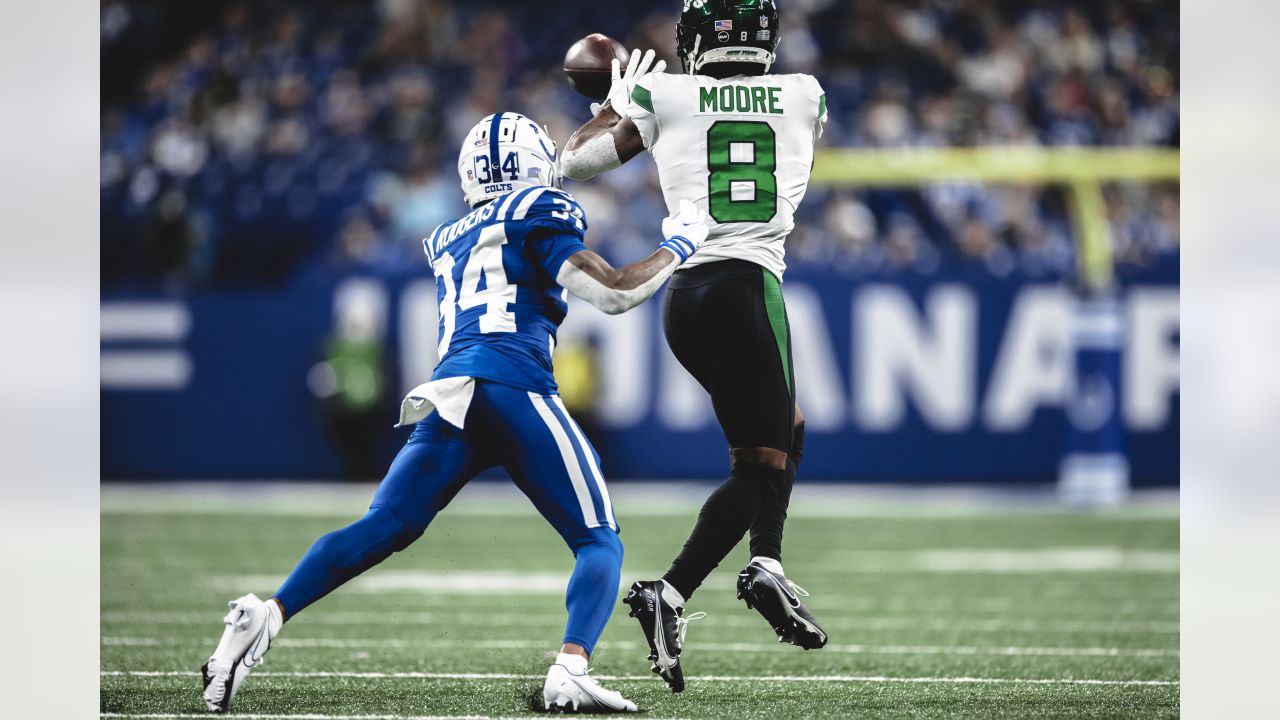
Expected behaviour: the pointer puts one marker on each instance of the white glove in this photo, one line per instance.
(623, 83)
(685, 230)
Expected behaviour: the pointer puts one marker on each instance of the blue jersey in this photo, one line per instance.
(500, 305)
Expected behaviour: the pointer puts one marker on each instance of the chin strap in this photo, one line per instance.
(693, 55)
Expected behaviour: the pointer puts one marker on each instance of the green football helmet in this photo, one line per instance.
(726, 31)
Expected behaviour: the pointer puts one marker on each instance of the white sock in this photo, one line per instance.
(274, 619)
(576, 664)
(769, 564)
(671, 595)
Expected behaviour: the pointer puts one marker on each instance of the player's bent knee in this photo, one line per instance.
(408, 531)
(797, 442)
(609, 537)
(599, 556)
(373, 537)
(600, 540)
(767, 467)
(405, 538)
(765, 457)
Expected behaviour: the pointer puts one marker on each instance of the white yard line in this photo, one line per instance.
(493, 583)
(428, 582)
(481, 590)
(649, 678)
(668, 498)
(1000, 560)
(967, 650)
(1028, 610)
(886, 622)
(718, 591)
(302, 716)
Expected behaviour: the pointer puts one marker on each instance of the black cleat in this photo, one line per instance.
(661, 622)
(775, 598)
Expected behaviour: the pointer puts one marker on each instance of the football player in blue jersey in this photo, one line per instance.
(502, 274)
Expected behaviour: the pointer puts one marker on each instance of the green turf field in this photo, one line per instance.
(934, 608)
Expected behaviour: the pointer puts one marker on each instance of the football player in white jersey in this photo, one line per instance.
(738, 142)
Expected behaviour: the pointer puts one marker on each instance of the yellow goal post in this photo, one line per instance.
(1081, 171)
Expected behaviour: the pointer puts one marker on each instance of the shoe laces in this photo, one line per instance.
(797, 589)
(682, 624)
(586, 678)
(794, 587)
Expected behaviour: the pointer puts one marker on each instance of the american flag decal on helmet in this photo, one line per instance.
(723, 25)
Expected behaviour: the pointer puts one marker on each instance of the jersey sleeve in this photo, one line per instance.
(820, 98)
(555, 225)
(641, 110)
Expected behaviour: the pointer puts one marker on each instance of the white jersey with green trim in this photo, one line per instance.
(741, 148)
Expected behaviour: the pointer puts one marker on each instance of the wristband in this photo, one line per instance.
(681, 246)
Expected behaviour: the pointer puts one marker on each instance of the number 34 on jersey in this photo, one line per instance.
(495, 269)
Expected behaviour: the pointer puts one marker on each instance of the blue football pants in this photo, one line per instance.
(548, 458)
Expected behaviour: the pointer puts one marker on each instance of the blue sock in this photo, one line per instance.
(341, 555)
(593, 587)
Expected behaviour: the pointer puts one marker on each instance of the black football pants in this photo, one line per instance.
(727, 325)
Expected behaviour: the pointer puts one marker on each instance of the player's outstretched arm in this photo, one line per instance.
(617, 290)
(603, 143)
(610, 138)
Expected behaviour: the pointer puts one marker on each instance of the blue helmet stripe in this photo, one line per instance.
(493, 145)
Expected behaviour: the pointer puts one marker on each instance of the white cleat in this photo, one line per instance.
(251, 626)
(574, 691)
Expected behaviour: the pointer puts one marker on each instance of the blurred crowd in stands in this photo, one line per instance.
(246, 142)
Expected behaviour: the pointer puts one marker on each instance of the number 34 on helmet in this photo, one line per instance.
(503, 153)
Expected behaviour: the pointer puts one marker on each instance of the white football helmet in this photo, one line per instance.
(503, 153)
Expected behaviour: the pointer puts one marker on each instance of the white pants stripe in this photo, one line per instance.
(591, 461)
(570, 459)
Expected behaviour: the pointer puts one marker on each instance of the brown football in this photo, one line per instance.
(587, 64)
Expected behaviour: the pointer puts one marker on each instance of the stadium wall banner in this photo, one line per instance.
(955, 377)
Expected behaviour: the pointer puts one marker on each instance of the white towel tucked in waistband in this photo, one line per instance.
(450, 397)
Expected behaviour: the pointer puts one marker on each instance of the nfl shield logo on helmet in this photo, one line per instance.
(764, 21)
